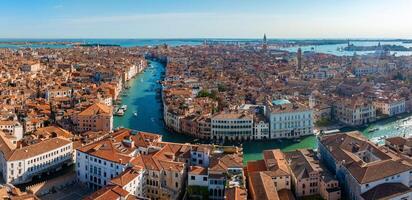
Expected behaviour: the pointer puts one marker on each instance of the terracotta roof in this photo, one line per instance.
(302, 163)
(96, 109)
(60, 132)
(286, 194)
(108, 192)
(399, 141)
(345, 146)
(235, 193)
(386, 191)
(127, 176)
(197, 170)
(9, 123)
(261, 187)
(221, 162)
(33, 150)
(113, 148)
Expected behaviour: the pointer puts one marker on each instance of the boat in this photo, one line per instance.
(119, 112)
(373, 130)
(124, 107)
(135, 114)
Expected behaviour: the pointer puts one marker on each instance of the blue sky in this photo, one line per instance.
(205, 18)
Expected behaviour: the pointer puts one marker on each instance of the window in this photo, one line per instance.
(205, 178)
(192, 177)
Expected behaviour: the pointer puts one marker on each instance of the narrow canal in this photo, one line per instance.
(143, 98)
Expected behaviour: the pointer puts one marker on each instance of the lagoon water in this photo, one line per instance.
(334, 48)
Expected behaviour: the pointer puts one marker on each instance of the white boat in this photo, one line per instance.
(119, 112)
(373, 130)
(135, 114)
(124, 107)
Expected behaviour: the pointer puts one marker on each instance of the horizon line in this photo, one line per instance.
(203, 38)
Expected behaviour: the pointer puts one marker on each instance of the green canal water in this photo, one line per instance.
(143, 98)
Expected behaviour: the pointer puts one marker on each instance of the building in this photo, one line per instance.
(289, 120)
(235, 193)
(354, 112)
(111, 192)
(363, 168)
(97, 117)
(270, 176)
(20, 164)
(12, 129)
(299, 58)
(233, 126)
(99, 162)
(138, 162)
(32, 67)
(131, 180)
(261, 187)
(225, 171)
(59, 92)
(400, 144)
(390, 106)
(309, 177)
(368, 70)
(275, 166)
(264, 43)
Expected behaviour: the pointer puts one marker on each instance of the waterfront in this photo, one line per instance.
(143, 99)
(334, 48)
(326, 48)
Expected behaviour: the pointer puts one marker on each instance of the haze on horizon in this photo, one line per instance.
(205, 19)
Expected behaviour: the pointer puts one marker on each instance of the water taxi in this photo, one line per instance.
(124, 107)
(373, 130)
(119, 112)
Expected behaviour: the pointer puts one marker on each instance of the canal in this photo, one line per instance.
(143, 98)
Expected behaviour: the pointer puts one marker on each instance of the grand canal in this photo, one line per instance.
(143, 98)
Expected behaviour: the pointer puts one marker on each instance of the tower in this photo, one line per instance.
(265, 43)
(299, 58)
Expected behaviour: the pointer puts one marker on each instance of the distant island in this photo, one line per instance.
(376, 48)
(97, 45)
(38, 43)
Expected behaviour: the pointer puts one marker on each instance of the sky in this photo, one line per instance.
(205, 18)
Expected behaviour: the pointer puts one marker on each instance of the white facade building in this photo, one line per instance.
(232, 126)
(96, 172)
(197, 176)
(261, 130)
(20, 165)
(100, 162)
(290, 121)
(12, 128)
(132, 181)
